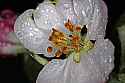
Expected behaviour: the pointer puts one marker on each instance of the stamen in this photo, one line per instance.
(58, 38)
(49, 49)
(65, 50)
(74, 42)
(78, 28)
(58, 53)
(69, 26)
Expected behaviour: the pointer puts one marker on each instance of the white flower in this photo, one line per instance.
(54, 30)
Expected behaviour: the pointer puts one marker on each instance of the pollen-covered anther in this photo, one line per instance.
(49, 49)
(69, 26)
(57, 38)
(75, 39)
(58, 53)
(76, 47)
(57, 32)
(65, 50)
(78, 28)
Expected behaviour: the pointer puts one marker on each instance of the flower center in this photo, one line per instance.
(67, 44)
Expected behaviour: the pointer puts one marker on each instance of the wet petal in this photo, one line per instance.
(83, 9)
(31, 36)
(94, 14)
(55, 66)
(94, 67)
(65, 8)
(46, 17)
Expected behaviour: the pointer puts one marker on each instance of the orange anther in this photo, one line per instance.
(75, 39)
(65, 50)
(78, 28)
(49, 49)
(58, 53)
(69, 25)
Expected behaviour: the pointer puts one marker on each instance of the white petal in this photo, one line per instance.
(83, 9)
(94, 14)
(30, 36)
(46, 17)
(51, 71)
(65, 8)
(91, 69)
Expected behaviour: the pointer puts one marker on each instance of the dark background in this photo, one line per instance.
(11, 69)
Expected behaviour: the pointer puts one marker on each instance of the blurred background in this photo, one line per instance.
(17, 67)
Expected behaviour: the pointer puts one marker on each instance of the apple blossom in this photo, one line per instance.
(74, 29)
